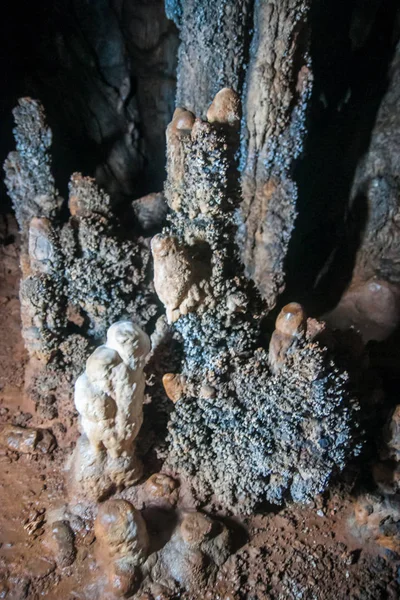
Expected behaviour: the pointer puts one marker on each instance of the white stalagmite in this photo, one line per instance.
(109, 399)
(109, 394)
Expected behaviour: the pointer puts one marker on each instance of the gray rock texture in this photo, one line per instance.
(261, 50)
(79, 275)
(247, 426)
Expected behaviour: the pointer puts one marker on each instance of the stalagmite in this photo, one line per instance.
(123, 543)
(109, 398)
(291, 325)
(291, 413)
(371, 302)
(79, 276)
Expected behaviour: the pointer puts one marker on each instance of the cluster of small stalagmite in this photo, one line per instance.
(109, 398)
(288, 415)
(169, 344)
(78, 275)
(277, 403)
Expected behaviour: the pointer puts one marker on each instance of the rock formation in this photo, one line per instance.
(376, 513)
(261, 50)
(79, 276)
(190, 559)
(106, 274)
(122, 544)
(371, 302)
(109, 399)
(290, 326)
(392, 435)
(278, 88)
(242, 400)
(120, 60)
(377, 517)
(213, 48)
(289, 417)
(161, 490)
(386, 472)
(29, 177)
(61, 542)
(27, 440)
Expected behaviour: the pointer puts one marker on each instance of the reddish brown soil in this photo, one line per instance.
(299, 553)
(308, 554)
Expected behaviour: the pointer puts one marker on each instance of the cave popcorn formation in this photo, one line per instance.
(270, 205)
(289, 414)
(78, 275)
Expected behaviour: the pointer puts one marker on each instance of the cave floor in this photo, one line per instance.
(298, 552)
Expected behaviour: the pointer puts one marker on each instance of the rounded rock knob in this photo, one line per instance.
(292, 320)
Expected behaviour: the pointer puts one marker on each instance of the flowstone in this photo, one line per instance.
(248, 426)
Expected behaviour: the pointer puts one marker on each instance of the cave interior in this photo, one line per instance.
(199, 300)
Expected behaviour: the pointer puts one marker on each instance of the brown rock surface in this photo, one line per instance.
(27, 440)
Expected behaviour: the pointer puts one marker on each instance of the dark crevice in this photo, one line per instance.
(350, 79)
(247, 47)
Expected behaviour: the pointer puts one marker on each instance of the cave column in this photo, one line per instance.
(260, 49)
